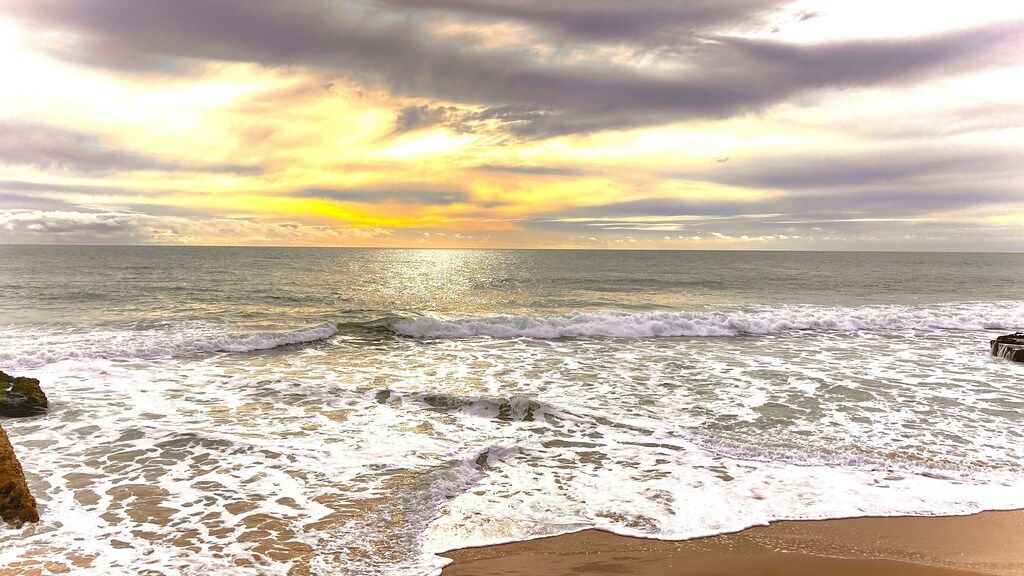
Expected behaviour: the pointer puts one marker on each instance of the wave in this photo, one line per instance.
(32, 348)
(275, 340)
(36, 348)
(734, 322)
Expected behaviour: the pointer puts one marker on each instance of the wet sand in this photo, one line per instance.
(990, 543)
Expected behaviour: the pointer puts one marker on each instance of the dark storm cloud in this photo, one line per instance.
(639, 21)
(54, 148)
(719, 76)
(864, 62)
(386, 195)
(416, 117)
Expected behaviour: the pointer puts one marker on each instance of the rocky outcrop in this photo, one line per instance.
(21, 396)
(1010, 347)
(16, 503)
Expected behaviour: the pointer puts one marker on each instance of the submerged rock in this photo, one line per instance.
(21, 396)
(16, 503)
(1010, 346)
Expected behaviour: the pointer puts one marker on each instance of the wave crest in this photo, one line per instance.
(36, 348)
(737, 322)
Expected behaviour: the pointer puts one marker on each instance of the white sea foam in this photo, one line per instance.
(369, 457)
(734, 322)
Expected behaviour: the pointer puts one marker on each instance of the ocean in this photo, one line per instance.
(359, 411)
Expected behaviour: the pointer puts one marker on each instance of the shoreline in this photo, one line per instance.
(987, 543)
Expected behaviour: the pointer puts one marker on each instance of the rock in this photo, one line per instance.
(1010, 346)
(16, 503)
(21, 396)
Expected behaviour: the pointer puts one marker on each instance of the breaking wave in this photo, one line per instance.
(32, 348)
(735, 322)
(35, 348)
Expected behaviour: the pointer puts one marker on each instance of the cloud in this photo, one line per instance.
(767, 231)
(23, 194)
(831, 170)
(880, 203)
(854, 190)
(14, 199)
(439, 197)
(66, 225)
(640, 21)
(707, 75)
(52, 148)
(416, 117)
(18, 191)
(530, 170)
(120, 227)
(657, 207)
(805, 15)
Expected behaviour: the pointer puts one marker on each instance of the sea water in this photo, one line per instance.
(343, 411)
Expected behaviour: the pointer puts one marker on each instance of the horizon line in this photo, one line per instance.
(521, 248)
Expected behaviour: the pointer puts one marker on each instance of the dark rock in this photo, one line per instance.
(21, 396)
(16, 503)
(1010, 346)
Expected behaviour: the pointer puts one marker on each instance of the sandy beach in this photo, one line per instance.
(990, 543)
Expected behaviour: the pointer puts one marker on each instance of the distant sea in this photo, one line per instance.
(357, 411)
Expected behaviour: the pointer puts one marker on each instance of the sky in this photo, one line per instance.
(658, 124)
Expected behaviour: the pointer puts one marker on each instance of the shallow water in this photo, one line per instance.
(256, 411)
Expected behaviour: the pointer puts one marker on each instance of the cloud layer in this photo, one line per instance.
(705, 74)
(692, 123)
(56, 149)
